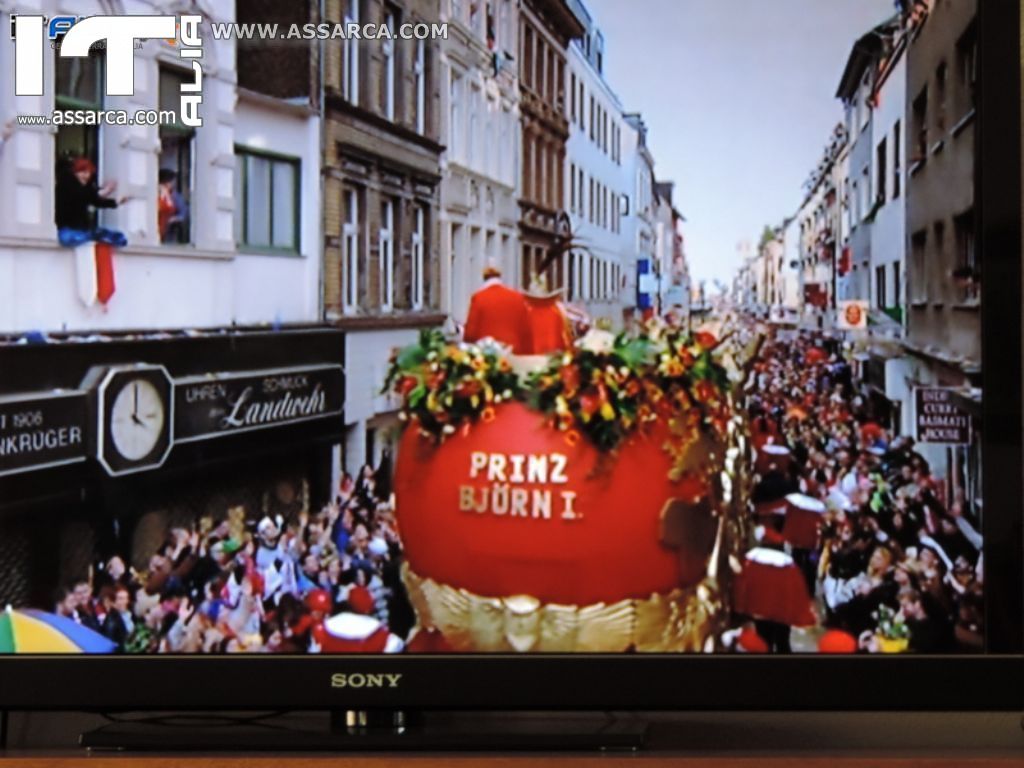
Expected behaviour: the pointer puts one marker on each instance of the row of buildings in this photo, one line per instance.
(888, 218)
(339, 196)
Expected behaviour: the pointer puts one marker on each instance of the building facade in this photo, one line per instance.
(888, 230)
(943, 327)
(382, 173)
(597, 182)
(545, 29)
(640, 281)
(190, 322)
(206, 270)
(479, 115)
(822, 227)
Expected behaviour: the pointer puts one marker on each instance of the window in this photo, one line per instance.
(582, 91)
(881, 171)
(418, 277)
(455, 129)
(880, 296)
(268, 204)
(865, 190)
(526, 268)
(579, 197)
(966, 272)
(420, 70)
(79, 85)
(920, 125)
(527, 56)
(897, 162)
(572, 187)
(176, 150)
(350, 250)
(471, 137)
(386, 254)
(967, 65)
(592, 121)
(572, 98)
(350, 56)
(391, 69)
(590, 207)
(897, 298)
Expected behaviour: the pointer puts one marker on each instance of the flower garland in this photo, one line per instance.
(610, 387)
(444, 386)
(604, 390)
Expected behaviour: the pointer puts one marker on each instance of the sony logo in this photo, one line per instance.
(359, 680)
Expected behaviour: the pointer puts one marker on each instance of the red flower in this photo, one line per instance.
(406, 385)
(590, 403)
(705, 391)
(705, 340)
(435, 380)
(570, 376)
(468, 388)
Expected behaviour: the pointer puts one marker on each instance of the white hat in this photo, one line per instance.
(807, 503)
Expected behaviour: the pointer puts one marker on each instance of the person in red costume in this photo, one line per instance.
(498, 312)
(356, 630)
(549, 327)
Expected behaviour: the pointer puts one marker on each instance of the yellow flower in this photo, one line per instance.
(561, 405)
(607, 412)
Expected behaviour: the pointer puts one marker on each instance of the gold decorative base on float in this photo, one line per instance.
(680, 621)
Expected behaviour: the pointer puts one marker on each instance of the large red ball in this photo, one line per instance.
(610, 550)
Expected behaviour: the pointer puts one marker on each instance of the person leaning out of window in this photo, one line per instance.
(77, 193)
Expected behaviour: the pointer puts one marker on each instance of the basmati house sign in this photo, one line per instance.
(940, 417)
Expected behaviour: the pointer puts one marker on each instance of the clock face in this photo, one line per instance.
(136, 419)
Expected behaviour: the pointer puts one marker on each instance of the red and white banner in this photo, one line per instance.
(94, 272)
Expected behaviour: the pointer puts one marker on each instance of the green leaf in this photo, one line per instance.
(411, 357)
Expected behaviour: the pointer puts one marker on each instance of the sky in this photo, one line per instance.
(739, 101)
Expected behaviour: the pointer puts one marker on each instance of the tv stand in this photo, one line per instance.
(366, 730)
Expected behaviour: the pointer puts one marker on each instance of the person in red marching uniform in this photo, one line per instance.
(499, 312)
(356, 630)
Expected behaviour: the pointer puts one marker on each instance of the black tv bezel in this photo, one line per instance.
(991, 681)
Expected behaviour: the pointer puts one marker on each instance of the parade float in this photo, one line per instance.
(581, 501)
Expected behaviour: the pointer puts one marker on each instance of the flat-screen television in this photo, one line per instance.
(512, 354)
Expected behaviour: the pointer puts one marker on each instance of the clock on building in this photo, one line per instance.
(134, 419)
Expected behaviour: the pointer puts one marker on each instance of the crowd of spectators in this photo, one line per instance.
(895, 559)
(258, 585)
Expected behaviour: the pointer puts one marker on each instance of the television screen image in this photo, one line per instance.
(529, 330)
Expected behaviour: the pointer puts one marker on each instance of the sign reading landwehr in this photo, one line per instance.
(41, 429)
(222, 404)
(940, 418)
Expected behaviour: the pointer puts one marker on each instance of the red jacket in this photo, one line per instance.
(499, 312)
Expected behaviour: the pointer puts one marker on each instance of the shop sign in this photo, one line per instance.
(41, 429)
(222, 404)
(939, 417)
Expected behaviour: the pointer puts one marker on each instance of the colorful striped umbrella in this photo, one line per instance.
(27, 630)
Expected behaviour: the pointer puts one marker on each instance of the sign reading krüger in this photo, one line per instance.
(220, 404)
(940, 418)
(40, 430)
